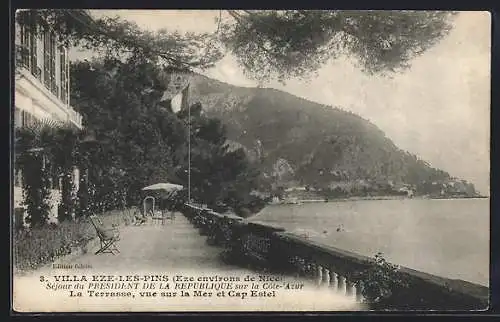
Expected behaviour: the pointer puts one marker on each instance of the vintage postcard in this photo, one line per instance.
(250, 160)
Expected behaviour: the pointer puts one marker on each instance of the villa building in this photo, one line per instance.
(42, 87)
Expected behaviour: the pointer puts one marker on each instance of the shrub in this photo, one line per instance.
(41, 245)
(38, 246)
(380, 280)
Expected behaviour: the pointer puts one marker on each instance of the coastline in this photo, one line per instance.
(373, 198)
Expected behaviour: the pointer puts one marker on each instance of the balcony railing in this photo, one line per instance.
(74, 116)
(271, 248)
(70, 114)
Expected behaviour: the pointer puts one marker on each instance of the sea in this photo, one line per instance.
(444, 237)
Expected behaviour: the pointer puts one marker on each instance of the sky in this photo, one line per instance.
(439, 109)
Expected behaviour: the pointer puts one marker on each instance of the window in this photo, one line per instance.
(52, 49)
(40, 56)
(49, 61)
(46, 59)
(17, 118)
(29, 45)
(63, 69)
(27, 119)
(33, 51)
(25, 46)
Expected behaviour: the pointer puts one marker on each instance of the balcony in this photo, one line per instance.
(34, 97)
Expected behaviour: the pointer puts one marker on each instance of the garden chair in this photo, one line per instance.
(139, 218)
(170, 215)
(128, 215)
(158, 217)
(108, 236)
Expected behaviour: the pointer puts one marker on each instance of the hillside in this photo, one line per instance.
(299, 142)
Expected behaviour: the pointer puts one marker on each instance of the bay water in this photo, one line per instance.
(445, 237)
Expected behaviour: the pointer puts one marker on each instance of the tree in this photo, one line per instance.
(36, 187)
(221, 176)
(294, 43)
(118, 38)
(65, 156)
(267, 43)
(120, 102)
(140, 134)
(142, 51)
(45, 152)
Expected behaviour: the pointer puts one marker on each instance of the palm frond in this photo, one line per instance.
(44, 133)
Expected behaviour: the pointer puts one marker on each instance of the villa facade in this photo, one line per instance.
(42, 91)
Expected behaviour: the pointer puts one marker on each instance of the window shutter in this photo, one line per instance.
(25, 49)
(53, 84)
(46, 58)
(63, 75)
(33, 53)
(33, 45)
(67, 80)
(40, 53)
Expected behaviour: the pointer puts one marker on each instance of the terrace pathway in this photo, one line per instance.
(176, 245)
(175, 248)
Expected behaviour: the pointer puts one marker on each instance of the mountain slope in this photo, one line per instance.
(297, 141)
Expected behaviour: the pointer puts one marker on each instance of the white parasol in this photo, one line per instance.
(168, 187)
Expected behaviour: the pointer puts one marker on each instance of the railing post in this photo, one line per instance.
(319, 275)
(350, 289)
(356, 292)
(326, 277)
(342, 285)
(301, 266)
(334, 282)
(310, 270)
(359, 292)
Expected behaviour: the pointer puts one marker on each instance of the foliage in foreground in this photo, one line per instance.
(284, 44)
(380, 280)
(39, 246)
(116, 37)
(268, 44)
